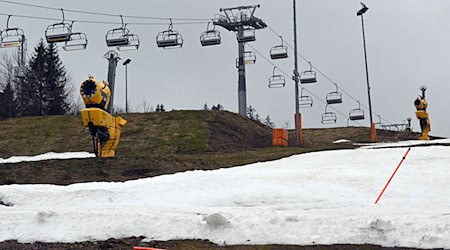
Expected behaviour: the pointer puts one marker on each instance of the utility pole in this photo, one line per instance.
(295, 77)
(242, 21)
(113, 58)
(373, 131)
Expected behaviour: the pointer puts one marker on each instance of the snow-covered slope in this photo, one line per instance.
(317, 198)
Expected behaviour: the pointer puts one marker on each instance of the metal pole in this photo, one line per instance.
(372, 127)
(126, 88)
(113, 58)
(242, 94)
(297, 111)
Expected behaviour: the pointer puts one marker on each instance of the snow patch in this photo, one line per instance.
(47, 156)
(341, 141)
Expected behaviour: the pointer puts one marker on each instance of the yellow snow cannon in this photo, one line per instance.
(104, 128)
(421, 105)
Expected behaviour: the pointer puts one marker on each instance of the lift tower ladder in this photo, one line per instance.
(242, 21)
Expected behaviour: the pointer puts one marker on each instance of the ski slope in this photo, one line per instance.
(316, 198)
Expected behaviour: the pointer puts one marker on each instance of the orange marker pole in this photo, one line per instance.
(392, 176)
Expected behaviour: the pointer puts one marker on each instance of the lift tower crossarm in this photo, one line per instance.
(233, 20)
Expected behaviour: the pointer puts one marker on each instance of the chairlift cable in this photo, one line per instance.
(324, 75)
(103, 14)
(99, 22)
(287, 75)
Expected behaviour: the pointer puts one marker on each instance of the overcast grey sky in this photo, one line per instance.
(408, 45)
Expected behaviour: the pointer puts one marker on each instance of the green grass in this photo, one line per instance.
(154, 144)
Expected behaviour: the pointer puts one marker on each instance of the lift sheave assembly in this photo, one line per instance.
(104, 128)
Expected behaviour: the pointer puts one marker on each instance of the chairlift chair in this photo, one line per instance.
(279, 51)
(305, 101)
(122, 38)
(276, 81)
(308, 76)
(169, 38)
(59, 32)
(11, 37)
(249, 58)
(210, 37)
(334, 97)
(78, 41)
(328, 116)
(117, 37)
(248, 35)
(133, 43)
(356, 114)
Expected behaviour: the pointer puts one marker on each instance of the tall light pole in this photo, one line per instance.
(373, 132)
(126, 83)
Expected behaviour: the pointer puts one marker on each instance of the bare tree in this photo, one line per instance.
(144, 107)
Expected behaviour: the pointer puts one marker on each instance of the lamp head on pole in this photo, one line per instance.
(362, 10)
(127, 62)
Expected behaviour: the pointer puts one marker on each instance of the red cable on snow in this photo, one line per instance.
(392, 176)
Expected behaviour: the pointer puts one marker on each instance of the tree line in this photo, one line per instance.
(40, 87)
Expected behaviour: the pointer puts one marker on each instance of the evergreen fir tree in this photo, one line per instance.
(43, 90)
(54, 89)
(7, 105)
(30, 98)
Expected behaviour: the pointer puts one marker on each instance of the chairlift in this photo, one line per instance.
(308, 76)
(59, 32)
(305, 101)
(118, 37)
(247, 35)
(11, 37)
(356, 114)
(78, 41)
(276, 81)
(249, 58)
(169, 38)
(133, 43)
(328, 116)
(279, 51)
(210, 36)
(334, 97)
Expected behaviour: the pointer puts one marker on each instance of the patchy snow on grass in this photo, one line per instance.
(316, 198)
(48, 156)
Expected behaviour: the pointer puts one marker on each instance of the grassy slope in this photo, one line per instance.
(153, 144)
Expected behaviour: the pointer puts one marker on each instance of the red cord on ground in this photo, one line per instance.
(392, 176)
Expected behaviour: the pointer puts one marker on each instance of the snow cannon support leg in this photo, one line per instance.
(424, 123)
(105, 130)
(109, 149)
(425, 127)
